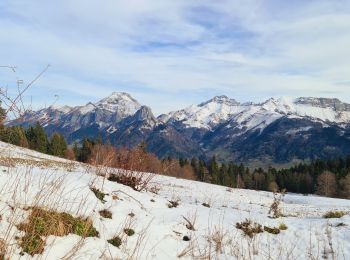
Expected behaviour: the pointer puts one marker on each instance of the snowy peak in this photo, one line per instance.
(211, 113)
(207, 114)
(220, 100)
(333, 103)
(119, 101)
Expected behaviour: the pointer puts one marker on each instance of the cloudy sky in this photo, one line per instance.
(169, 54)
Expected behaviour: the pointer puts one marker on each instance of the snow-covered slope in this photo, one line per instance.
(30, 179)
(207, 114)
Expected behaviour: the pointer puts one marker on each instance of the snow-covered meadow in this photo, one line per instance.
(161, 216)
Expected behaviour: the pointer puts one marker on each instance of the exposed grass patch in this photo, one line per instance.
(115, 241)
(173, 204)
(334, 214)
(341, 224)
(273, 230)
(205, 205)
(129, 232)
(105, 213)
(99, 194)
(282, 226)
(249, 228)
(42, 223)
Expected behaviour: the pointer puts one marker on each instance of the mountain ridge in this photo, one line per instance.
(220, 126)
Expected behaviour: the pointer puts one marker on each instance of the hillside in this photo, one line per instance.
(30, 181)
(277, 131)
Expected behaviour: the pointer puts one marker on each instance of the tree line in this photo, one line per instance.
(35, 138)
(329, 178)
(324, 177)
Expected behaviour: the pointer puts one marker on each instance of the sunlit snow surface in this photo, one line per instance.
(28, 178)
(255, 116)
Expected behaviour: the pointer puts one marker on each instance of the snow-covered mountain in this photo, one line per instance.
(274, 130)
(250, 115)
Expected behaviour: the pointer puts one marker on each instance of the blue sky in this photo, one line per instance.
(170, 54)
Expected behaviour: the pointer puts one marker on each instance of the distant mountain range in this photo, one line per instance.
(275, 131)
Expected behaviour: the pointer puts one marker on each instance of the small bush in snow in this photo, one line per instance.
(275, 211)
(273, 230)
(138, 181)
(99, 194)
(249, 228)
(105, 213)
(334, 214)
(173, 204)
(115, 241)
(154, 189)
(283, 226)
(129, 232)
(206, 205)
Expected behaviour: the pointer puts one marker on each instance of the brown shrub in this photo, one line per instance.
(138, 181)
(105, 213)
(69, 154)
(249, 228)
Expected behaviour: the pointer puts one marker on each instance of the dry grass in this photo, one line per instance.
(249, 228)
(42, 223)
(275, 211)
(99, 194)
(105, 213)
(191, 220)
(334, 214)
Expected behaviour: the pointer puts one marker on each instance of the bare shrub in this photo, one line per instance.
(105, 213)
(275, 211)
(272, 230)
(14, 104)
(102, 156)
(69, 154)
(191, 220)
(137, 159)
(173, 204)
(327, 184)
(249, 228)
(2, 249)
(174, 169)
(138, 181)
(155, 189)
(217, 238)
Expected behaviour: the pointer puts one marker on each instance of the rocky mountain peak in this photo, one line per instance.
(332, 103)
(119, 102)
(221, 100)
(145, 113)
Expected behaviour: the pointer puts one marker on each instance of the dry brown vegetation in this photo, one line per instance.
(42, 223)
(275, 210)
(136, 167)
(137, 159)
(249, 228)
